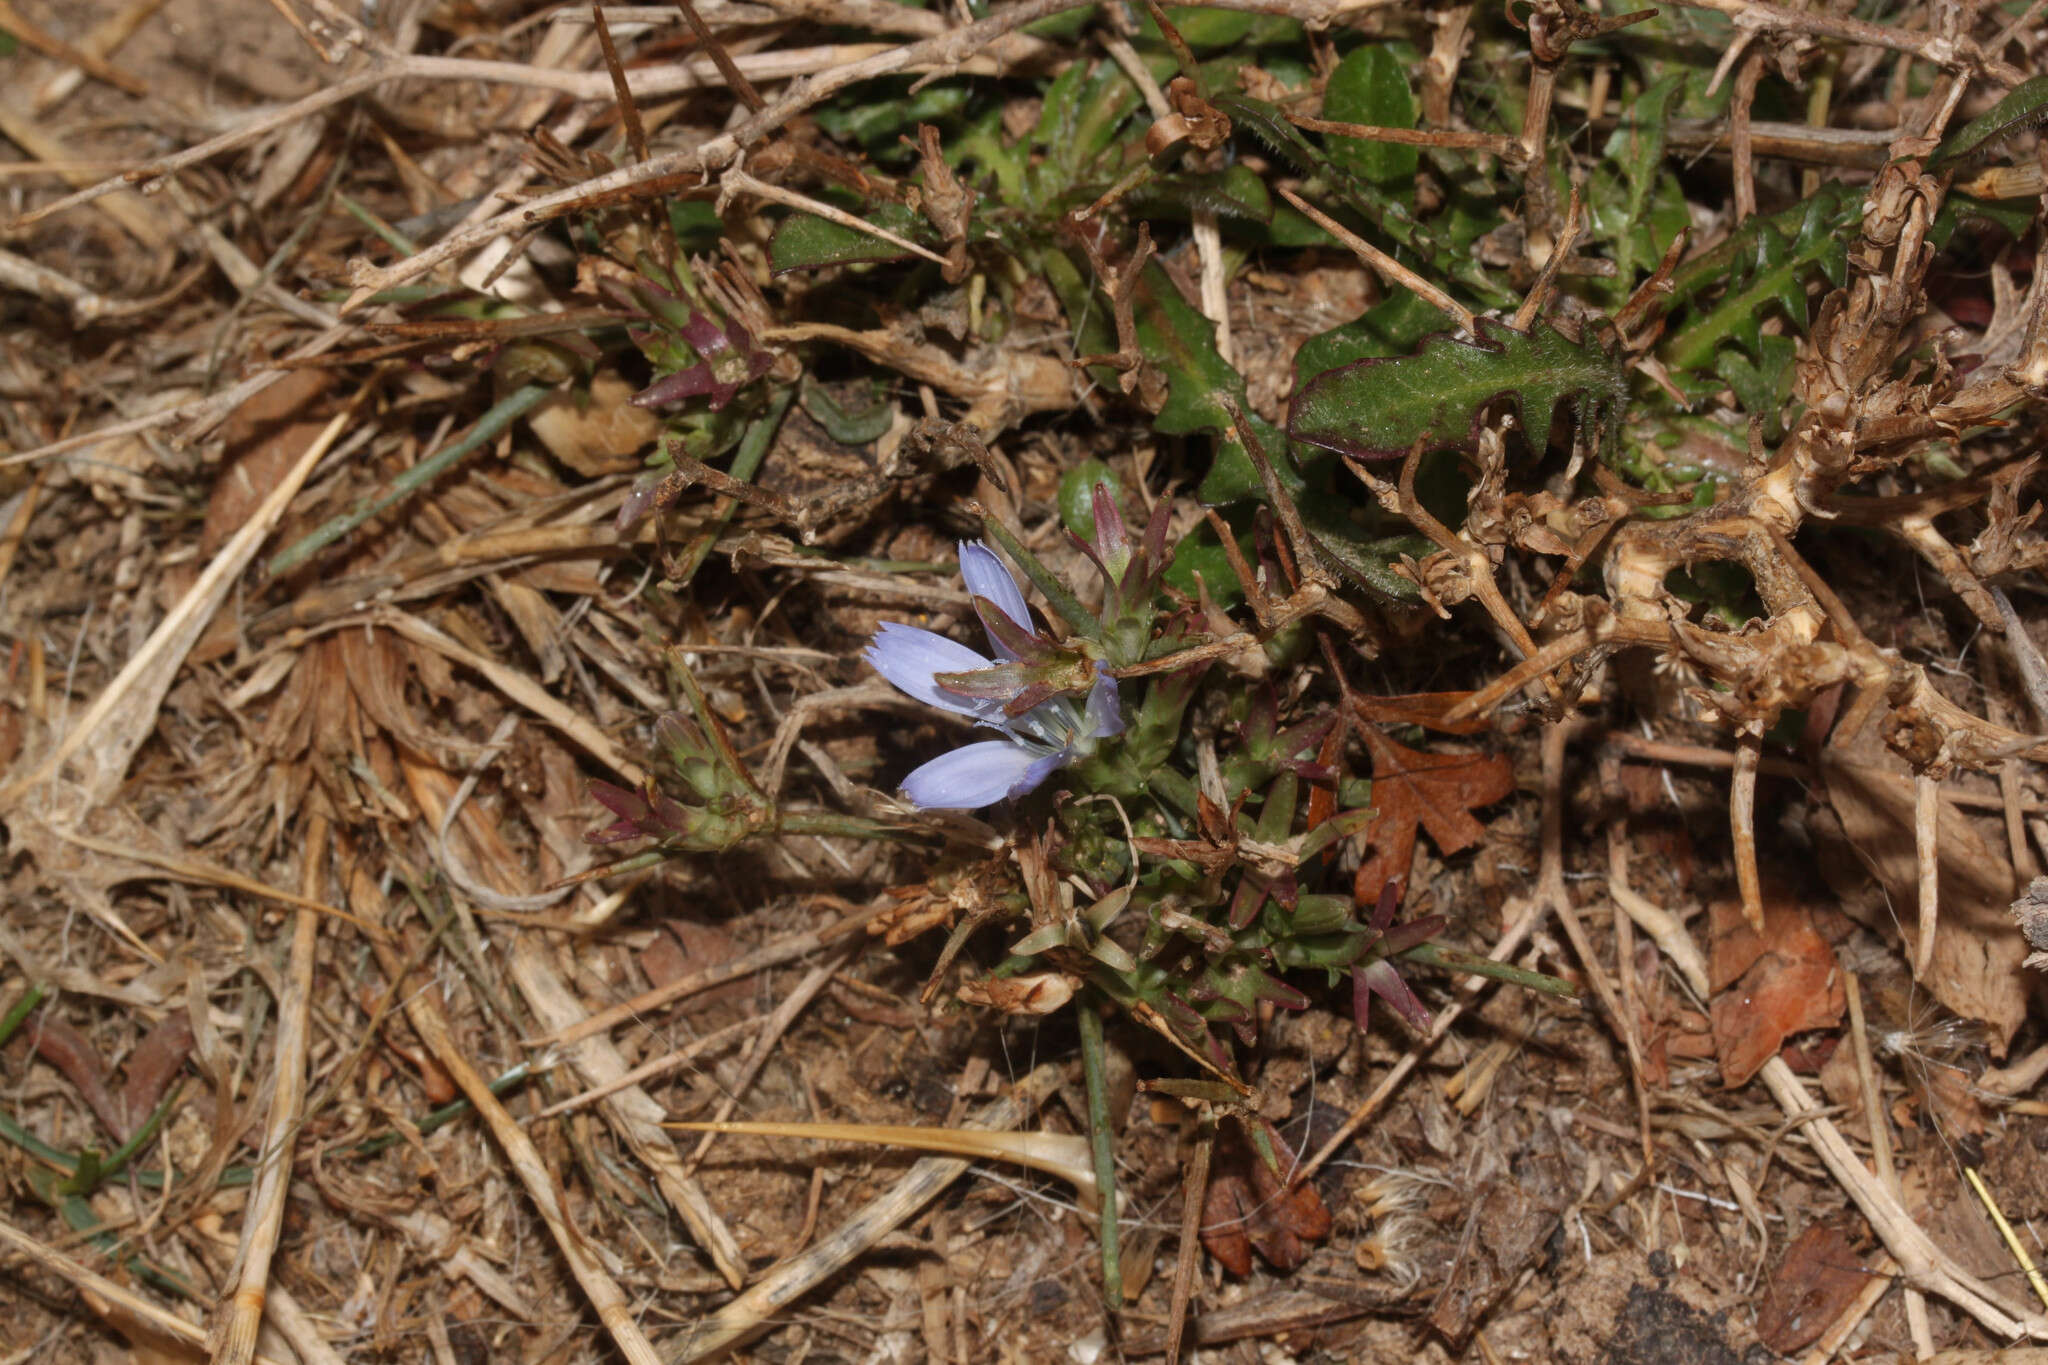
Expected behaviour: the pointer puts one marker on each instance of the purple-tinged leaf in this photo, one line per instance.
(1379, 978)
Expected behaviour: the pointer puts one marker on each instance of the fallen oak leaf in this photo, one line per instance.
(1785, 982)
(1435, 791)
(1816, 1279)
(1249, 1206)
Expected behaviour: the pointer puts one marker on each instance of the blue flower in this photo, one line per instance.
(1035, 744)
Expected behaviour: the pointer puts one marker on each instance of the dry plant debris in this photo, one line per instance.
(797, 570)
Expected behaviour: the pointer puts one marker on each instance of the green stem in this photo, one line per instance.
(746, 463)
(1458, 960)
(398, 240)
(234, 1177)
(126, 1153)
(1078, 618)
(502, 414)
(21, 1010)
(1094, 1066)
(844, 826)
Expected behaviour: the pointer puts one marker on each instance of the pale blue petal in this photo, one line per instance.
(1105, 715)
(986, 576)
(908, 657)
(977, 775)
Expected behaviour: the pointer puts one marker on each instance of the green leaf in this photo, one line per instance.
(1767, 262)
(1378, 408)
(1633, 167)
(1202, 553)
(1762, 386)
(876, 123)
(1077, 495)
(1458, 960)
(1365, 560)
(2014, 216)
(1393, 326)
(2024, 106)
(1180, 343)
(695, 223)
(849, 428)
(1175, 336)
(1233, 193)
(805, 241)
(1385, 212)
(1369, 86)
(1201, 28)
(1084, 107)
(1636, 145)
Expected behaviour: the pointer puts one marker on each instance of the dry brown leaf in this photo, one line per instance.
(262, 438)
(156, 1061)
(1783, 982)
(1507, 1232)
(599, 432)
(1425, 709)
(1977, 970)
(1435, 791)
(1249, 1208)
(685, 947)
(1033, 993)
(65, 1048)
(1816, 1279)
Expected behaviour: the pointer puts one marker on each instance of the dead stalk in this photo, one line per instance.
(235, 1343)
(1742, 824)
(1881, 1146)
(119, 1299)
(1389, 269)
(1927, 850)
(423, 1009)
(763, 1303)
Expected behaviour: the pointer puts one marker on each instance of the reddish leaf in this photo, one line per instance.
(65, 1048)
(1249, 1208)
(1815, 1281)
(1435, 791)
(154, 1063)
(1779, 983)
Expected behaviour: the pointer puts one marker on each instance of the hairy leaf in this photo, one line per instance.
(1180, 344)
(1393, 326)
(805, 241)
(1377, 409)
(1762, 386)
(1363, 559)
(1234, 193)
(2024, 106)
